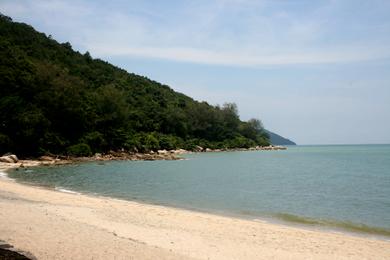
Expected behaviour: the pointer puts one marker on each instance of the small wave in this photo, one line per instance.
(4, 175)
(65, 190)
(344, 225)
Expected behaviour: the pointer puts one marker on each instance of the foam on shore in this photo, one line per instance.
(60, 189)
(4, 175)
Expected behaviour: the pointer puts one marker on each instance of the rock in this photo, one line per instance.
(6, 253)
(6, 159)
(180, 151)
(46, 158)
(208, 150)
(162, 151)
(148, 157)
(198, 148)
(14, 158)
(172, 157)
(9, 158)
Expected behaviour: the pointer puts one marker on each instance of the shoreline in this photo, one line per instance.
(150, 226)
(285, 219)
(272, 219)
(54, 159)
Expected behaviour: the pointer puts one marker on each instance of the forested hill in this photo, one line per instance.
(56, 100)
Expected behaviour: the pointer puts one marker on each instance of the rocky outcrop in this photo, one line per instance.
(271, 147)
(257, 148)
(122, 155)
(179, 151)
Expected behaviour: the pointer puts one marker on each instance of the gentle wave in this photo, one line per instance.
(251, 185)
(4, 175)
(65, 190)
(344, 225)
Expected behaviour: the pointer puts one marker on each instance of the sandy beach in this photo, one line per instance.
(55, 225)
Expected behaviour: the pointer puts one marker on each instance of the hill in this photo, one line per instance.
(56, 100)
(276, 139)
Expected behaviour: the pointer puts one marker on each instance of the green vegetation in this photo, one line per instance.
(56, 100)
(79, 150)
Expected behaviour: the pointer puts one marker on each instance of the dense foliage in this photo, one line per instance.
(56, 100)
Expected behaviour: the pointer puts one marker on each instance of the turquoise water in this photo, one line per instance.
(345, 187)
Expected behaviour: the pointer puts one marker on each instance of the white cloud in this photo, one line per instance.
(238, 58)
(222, 32)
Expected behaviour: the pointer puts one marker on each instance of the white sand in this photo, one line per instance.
(56, 225)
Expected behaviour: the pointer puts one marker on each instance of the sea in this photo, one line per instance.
(337, 187)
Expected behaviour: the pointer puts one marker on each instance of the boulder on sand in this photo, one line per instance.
(12, 158)
(46, 158)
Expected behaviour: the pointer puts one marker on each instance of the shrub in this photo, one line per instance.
(133, 143)
(144, 142)
(170, 142)
(95, 140)
(52, 143)
(240, 142)
(150, 143)
(79, 150)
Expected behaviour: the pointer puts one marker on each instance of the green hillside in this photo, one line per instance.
(56, 100)
(276, 139)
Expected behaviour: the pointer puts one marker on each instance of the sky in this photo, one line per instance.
(316, 72)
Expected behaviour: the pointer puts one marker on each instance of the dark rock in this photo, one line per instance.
(11, 255)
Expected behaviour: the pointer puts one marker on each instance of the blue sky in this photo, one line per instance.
(317, 72)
